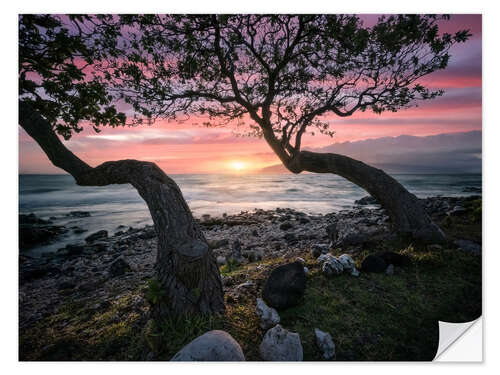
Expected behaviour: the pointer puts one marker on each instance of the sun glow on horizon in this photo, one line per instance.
(238, 166)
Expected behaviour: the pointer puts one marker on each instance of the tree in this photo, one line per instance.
(277, 76)
(58, 92)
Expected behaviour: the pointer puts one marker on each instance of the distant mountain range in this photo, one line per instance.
(442, 153)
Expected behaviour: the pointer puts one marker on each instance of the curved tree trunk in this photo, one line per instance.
(186, 267)
(408, 216)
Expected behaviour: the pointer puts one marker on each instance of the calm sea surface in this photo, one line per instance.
(111, 206)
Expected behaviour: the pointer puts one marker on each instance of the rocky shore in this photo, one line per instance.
(107, 266)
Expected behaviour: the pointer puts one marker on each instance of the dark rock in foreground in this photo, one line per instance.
(285, 286)
(374, 263)
(396, 259)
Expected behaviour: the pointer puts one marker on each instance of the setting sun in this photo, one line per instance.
(237, 165)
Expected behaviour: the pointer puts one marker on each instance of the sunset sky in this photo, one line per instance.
(185, 148)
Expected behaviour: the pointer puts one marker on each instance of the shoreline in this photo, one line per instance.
(107, 268)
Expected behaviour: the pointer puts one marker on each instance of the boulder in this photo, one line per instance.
(330, 265)
(285, 286)
(366, 200)
(212, 346)
(325, 343)
(279, 344)
(332, 232)
(221, 260)
(347, 262)
(100, 235)
(468, 246)
(399, 260)
(286, 225)
(268, 316)
(374, 263)
(119, 267)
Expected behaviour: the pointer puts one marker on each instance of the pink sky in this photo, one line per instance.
(184, 148)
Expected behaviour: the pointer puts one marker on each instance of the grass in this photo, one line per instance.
(371, 317)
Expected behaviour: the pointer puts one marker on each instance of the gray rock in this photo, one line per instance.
(354, 272)
(325, 343)
(347, 262)
(211, 346)
(236, 252)
(100, 235)
(389, 270)
(281, 345)
(221, 260)
(119, 267)
(268, 316)
(330, 265)
(468, 246)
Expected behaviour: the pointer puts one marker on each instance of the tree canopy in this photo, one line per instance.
(277, 74)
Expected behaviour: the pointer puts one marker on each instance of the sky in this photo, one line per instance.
(186, 148)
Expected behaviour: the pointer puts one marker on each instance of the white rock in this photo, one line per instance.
(211, 346)
(347, 262)
(306, 270)
(332, 267)
(268, 316)
(281, 345)
(389, 270)
(354, 272)
(324, 258)
(325, 343)
(221, 260)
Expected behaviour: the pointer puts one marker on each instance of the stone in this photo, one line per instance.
(236, 252)
(332, 267)
(354, 272)
(268, 316)
(319, 249)
(306, 270)
(290, 237)
(457, 211)
(215, 244)
(286, 226)
(468, 246)
(399, 260)
(119, 267)
(100, 235)
(285, 286)
(221, 260)
(366, 200)
(332, 232)
(212, 346)
(280, 344)
(347, 262)
(374, 263)
(389, 270)
(325, 343)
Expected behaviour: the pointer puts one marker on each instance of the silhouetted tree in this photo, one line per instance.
(58, 92)
(280, 75)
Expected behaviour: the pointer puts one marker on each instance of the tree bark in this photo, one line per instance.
(407, 214)
(186, 268)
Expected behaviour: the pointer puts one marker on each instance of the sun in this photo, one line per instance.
(237, 165)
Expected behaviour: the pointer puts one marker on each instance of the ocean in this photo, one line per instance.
(115, 205)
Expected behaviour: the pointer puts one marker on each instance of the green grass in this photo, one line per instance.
(371, 317)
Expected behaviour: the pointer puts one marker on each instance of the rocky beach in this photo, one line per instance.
(109, 274)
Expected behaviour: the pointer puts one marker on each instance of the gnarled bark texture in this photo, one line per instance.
(186, 267)
(407, 214)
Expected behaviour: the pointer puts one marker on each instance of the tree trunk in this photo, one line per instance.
(186, 268)
(408, 216)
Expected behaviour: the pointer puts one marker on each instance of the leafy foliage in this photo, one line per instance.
(56, 57)
(270, 75)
